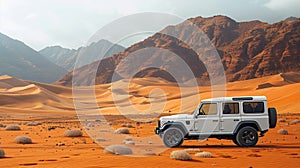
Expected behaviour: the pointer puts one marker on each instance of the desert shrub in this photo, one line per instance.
(204, 154)
(2, 125)
(2, 153)
(73, 133)
(295, 122)
(118, 150)
(282, 131)
(192, 150)
(180, 155)
(23, 140)
(122, 131)
(12, 128)
(33, 123)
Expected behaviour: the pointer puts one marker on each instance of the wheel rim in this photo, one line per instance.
(248, 137)
(173, 137)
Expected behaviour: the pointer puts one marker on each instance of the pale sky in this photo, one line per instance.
(70, 23)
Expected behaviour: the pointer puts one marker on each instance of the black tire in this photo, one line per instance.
(172, 137)
(234, 141)
(272, 117)
(247, 136)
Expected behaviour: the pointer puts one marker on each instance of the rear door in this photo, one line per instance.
(230, 116)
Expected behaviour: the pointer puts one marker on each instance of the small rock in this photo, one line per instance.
(60, 144)
(73, 133)
(23, 140)
(122, 131)
(282, 131)
(294, 122)
(118, 150)
(12, 128)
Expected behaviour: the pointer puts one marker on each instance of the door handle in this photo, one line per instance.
(215, 120)
(236, 120)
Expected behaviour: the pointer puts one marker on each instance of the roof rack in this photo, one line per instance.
(242, 98)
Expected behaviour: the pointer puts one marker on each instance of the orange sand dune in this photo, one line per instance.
(26, 101)
(282, 91)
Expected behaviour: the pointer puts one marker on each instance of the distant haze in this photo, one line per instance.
(71, 23)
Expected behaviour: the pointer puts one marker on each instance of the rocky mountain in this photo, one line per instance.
(66, 58)
(247, 50)
(19, 60)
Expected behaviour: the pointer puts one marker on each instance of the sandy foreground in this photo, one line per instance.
(52, 106)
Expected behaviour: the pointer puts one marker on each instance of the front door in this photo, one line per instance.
(230, 117)
(207, 120)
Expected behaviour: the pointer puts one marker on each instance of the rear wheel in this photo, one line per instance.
(247, 136)
(172, 137)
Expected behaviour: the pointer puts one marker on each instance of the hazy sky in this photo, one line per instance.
(70, 23)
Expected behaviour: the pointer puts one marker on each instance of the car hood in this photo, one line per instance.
(178, 116)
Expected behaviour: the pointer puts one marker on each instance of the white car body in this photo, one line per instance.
(221, 118)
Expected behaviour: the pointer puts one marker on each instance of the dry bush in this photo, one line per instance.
(2, 125)
(23, 140)
(12, 128)
(73, 133)
(122, 131)
(204, 154)
(282, 131)
(295, 122)
(118, 150)
(192, 150)
(180, 155)
(2, 153)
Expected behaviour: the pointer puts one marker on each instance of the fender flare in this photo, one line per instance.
(240, 125)
(175, 124)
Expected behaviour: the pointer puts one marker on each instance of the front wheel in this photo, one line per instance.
(247, 136)
(172, 137)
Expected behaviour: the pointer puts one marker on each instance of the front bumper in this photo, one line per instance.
(157, 131)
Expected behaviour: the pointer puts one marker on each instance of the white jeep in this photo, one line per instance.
(236, 118)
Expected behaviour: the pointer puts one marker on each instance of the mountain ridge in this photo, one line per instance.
(19, 60)
(66, 58)
(247, 50)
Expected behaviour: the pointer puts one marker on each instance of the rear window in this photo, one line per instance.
(230, 108)
(253, 107)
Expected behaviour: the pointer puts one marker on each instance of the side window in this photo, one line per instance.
(208, 109)
(253, 107)
(231, 108)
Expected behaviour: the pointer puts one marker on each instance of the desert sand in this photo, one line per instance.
(52, 106)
